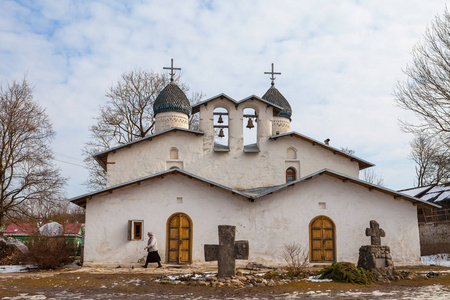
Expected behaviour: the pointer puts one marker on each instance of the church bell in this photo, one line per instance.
(250, 124)
(220, 121)
(221, 135)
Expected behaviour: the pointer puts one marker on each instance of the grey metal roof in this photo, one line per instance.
(172, 98)
(261, 192)
(363, 164)
(101, 156)
(81, 200)
(253, 194)
(431, 193)
(274, 96)
(196, 107)
(254, 97)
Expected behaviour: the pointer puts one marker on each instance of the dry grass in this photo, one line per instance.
(82, 281)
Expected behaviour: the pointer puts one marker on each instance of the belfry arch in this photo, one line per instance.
(221, 128)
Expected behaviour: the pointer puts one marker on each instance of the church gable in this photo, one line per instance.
(154, 154)
(83, 199)
(102, 157)
(362, 163)
(349, 205)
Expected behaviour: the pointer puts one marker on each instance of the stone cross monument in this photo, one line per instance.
(375, 233)
(374, 257)
(227, 251)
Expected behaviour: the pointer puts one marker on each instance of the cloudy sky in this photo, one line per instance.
(339, 62)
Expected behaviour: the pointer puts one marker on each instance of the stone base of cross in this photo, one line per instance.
(227, 251)
(376, 258)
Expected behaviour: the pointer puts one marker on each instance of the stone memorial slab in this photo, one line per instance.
(227, 251)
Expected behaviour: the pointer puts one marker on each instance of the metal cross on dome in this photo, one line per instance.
(272, 73)
(171, 69)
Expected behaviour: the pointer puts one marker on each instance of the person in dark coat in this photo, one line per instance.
(152, 248)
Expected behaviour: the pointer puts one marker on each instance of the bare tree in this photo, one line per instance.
(59, 211)
(372, 177)
(296, 257)
(426, 91)
(127, 115)
(432, 161)
(27, 174)
(348, 150)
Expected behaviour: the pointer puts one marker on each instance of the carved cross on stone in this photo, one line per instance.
(375, 233)
(227, 251)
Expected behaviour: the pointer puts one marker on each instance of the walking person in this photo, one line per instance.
(152, 248)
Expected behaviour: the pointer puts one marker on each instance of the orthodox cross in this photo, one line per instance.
(171, 69)
(375, 233)
(272, 73)
(227, 251)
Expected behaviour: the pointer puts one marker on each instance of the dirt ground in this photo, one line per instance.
(138, 283)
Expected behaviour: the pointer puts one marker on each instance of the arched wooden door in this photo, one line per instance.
(322, 240)
(179, 239)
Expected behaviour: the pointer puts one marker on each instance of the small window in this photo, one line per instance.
(173, 153)
(135, 229)
(291, 153)
(290, 175)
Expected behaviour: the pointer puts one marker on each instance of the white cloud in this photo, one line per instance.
(339, 62)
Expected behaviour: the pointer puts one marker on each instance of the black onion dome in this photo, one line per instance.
(172, 98)
(274, 96)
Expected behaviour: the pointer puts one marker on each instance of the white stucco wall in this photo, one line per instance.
(169, 119)
(268, 223)
(235, 168)
(280, 125)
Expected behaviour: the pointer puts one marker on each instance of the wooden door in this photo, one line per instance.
(322, 240)
(179, 239)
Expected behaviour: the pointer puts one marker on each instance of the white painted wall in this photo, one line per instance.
(280, 125)
(236, 168)
(268, 223)
(169, 119)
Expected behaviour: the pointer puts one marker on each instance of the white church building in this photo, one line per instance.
(277, 187)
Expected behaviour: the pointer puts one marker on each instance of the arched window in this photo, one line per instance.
(290, 175)
(221, 129)
(250, 130)
(173, 153)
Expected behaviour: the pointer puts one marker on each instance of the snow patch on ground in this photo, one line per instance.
(26, 268)
(317, 279)
(15, 268)
(442, 260)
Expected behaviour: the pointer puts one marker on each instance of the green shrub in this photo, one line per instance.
(346, 272)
